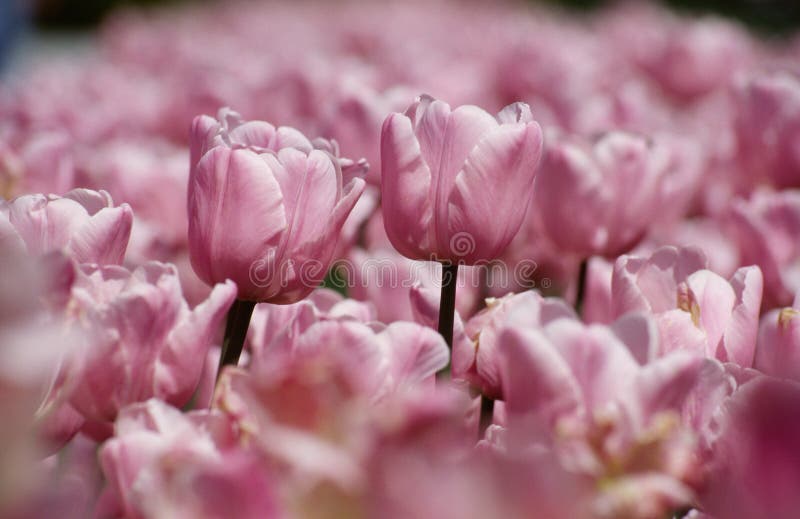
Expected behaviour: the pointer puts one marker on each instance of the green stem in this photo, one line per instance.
(235, 333)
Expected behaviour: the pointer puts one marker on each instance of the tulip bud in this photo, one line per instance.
(265, 208)
(456, 183)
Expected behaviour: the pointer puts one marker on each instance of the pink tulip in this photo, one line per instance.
(456, 184)
(163, 462)
(687, 58)
(478, 360)
(766, 229)
(778, 350)
(756, 467)
(768, 128)
(600, 198)
(143, 341)
(583, 389)
(378, 359)
(265, 210)
(83, 223)
(696, 309)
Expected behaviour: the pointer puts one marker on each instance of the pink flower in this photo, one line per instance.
(766, 229)
(778, 349)
(378, 359)
(162, 462)
(83, 223)
(756, 465)
(456, 184)
(143, 341)
(580, 389)
(477, 360)
(265, 210)
(768, 128)
(696, 309)
(600, 198)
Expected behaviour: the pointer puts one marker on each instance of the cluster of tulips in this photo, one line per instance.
(483, 261)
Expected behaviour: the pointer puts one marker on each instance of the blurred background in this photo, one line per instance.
(765, 15)
(49, 20)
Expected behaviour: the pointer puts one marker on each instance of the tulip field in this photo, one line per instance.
(402, 259)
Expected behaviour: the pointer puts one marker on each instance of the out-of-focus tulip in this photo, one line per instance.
(143, 341)
(477, 360)
(687, 58)
(83, 223)
(163, 463)
(455, 184)
(609, 417)
(768, 130)
(756, 465)
(696, 309)
(766, 229)
(265, 210)
(600, 198)
(778, 348)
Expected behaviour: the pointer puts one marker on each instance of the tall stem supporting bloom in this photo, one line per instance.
(235, 333)
(447, 304)
(580, 295)
(486, 416)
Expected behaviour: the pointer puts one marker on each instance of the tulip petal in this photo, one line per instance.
(236, 215)
(535, 377)
(406, 184)
(492, 192)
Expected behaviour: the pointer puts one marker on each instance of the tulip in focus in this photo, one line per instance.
(456, 183)
(265, 208)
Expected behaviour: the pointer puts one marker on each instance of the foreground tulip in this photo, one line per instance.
(611, 419)
(756, 465)
(163, 463)
(265, 210)
(143, 341)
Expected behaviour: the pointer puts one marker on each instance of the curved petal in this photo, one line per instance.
(180, 362)
(236, 215)
(493, 190)
(405, 188)
(739, 339)
(535, 377)
(104, 238)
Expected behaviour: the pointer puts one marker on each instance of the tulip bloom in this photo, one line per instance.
(696, 309)
(83, 223)
(600, 198)
(456, 184)
(142, 340)
(265, 208)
